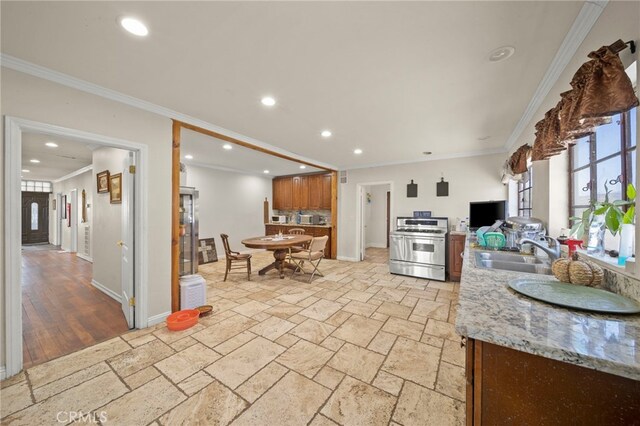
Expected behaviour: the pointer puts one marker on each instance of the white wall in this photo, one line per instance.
(375, 216)
(79, 182)
(40, 100)
(107, 219)
(230, 203)
(470, 179)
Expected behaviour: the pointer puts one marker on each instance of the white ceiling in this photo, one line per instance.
(208, 152)
(68, 157)
(392, 78)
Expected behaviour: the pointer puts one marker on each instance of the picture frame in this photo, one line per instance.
(115, 188)
(207, 251)
(103, 182)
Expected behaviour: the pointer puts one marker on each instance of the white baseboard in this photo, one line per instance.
(157, 319)
(377, 245)
(112, 294)
(3, 372)
(85, 257)
(347, 259)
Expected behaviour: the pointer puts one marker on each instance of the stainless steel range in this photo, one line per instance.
(418, 247)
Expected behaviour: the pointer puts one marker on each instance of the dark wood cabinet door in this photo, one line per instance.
(297, 193)
(304, 192)
(287, 193)
(325, 203)
(315, 192)
(456, 248)
(35, 217)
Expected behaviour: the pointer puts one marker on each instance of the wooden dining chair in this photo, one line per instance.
(302, 246)
(235, 257)
(296, 231)
(314, 255)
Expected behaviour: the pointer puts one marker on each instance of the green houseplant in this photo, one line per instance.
(614, 215)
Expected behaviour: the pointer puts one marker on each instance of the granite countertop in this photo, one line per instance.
(299, 225)
(491, 312)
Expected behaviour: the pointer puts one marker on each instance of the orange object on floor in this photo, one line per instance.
(182, 320)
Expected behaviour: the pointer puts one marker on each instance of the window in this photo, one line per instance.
(606, 157)
(36, 186)
(524, 195)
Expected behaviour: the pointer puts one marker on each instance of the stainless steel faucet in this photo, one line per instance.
(552, 253)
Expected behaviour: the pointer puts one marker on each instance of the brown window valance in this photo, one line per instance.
(599, 89)
(518, 160)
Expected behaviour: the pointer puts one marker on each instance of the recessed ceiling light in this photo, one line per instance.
(25, 171)
(189, 157)
(33, 160)
(326, 133)
(51, 144)
(427, 152)
(501, 53)
(303, 167)
(227, 146)
(268, 101)
(134, 26)
(357, 151)
(266, 172)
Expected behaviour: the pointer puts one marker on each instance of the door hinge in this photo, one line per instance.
(132, 301)
(132, 170)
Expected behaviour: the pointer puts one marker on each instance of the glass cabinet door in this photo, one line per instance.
(188, 234)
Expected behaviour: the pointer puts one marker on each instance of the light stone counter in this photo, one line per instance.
(491, 312)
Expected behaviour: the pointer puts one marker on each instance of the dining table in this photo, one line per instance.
(280, 246)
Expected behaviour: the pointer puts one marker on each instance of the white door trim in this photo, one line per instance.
(360, 212)
(12, 225)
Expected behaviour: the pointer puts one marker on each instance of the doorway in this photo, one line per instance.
(35, 218)
(74, 275)
(375, 207)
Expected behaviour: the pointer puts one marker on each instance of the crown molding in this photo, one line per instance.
(76, 173)
(477, 153)
(20, 65)
(581, 26)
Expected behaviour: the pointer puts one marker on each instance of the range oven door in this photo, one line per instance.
(396, 247)
(424, 250)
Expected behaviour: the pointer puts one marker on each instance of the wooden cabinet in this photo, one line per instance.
(325, 203)
(509, 387)
(282, 193)
(300, 196)
(305, 192)
(314, 231)
(315, 192)
(456, 250)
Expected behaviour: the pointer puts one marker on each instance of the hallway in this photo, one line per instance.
(61, 311)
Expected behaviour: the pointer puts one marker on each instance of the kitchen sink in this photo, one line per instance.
(512, 262)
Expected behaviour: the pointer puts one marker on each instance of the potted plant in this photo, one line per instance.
(610, 216)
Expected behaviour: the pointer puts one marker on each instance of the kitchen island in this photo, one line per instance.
(529, 362)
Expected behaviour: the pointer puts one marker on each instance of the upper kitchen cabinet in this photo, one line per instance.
(305, 192)
(300, 194)
(283, 193)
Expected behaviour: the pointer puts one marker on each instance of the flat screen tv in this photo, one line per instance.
(485, 213)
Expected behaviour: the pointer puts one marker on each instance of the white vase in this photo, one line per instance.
(627, 238)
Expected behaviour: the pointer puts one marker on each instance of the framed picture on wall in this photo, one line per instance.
(103, 182)
(115, 183)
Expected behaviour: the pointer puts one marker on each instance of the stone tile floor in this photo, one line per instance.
(357, 347)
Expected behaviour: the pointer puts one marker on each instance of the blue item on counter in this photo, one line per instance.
(480, 235)
(494, 240)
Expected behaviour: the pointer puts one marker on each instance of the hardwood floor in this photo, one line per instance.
(61, 311)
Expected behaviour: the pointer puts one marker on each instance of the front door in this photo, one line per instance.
(35, 217)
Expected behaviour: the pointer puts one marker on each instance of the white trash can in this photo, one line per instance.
(193, 291)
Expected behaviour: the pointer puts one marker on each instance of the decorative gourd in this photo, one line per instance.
(576, 271)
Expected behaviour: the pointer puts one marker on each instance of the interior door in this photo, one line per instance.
(35, 217)
(127, 241)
